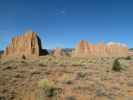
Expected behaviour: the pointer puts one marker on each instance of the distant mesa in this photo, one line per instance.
(84, 49)
(28, 45)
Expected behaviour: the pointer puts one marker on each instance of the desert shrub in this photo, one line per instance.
(47, 87)
(48, 90)
(128, 58)
(47, 60)
(67, 79)
(116, 65)
(77, 63)
(70, 98)
(90, 61)
(42, 64)
(7, 62)
(45, 84)
(100, 91)
(24, 62)
(60, 62)
(23, 57)
(81, 75)
(50, 58)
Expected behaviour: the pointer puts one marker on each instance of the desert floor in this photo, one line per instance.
(68, 78)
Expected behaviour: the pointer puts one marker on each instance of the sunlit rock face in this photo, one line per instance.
(58, 52)
(84, 49)
(28, 45)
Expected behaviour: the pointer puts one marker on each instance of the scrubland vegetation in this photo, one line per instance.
(66, 78)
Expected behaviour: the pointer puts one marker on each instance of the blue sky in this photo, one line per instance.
(63, 23)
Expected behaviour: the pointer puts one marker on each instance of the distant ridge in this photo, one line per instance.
(112, 49)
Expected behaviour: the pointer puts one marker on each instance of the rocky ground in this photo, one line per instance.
(50, 78)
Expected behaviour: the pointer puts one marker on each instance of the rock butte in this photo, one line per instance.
(84, 49)
(58, 52)
(28, 45)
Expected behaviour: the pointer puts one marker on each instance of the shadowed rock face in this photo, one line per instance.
(84, 49)
(26, 45)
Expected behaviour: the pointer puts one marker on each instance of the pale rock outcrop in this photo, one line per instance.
(58, 52)
(84, 49)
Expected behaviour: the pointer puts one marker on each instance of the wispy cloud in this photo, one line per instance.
(61, 11)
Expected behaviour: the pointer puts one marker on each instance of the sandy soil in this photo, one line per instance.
(74, 79)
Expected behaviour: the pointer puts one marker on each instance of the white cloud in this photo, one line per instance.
(117, 43)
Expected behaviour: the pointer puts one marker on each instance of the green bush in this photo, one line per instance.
(116, 65)
(47, 86)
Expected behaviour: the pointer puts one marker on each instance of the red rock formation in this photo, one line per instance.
(58, 52)
(26, 45)
(83, 49)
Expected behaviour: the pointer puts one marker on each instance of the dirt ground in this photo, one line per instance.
(73, 78)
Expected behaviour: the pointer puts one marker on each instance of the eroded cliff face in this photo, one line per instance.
(28, 45)
(84, 49)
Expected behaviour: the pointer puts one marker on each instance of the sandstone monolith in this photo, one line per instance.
(26, 45)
